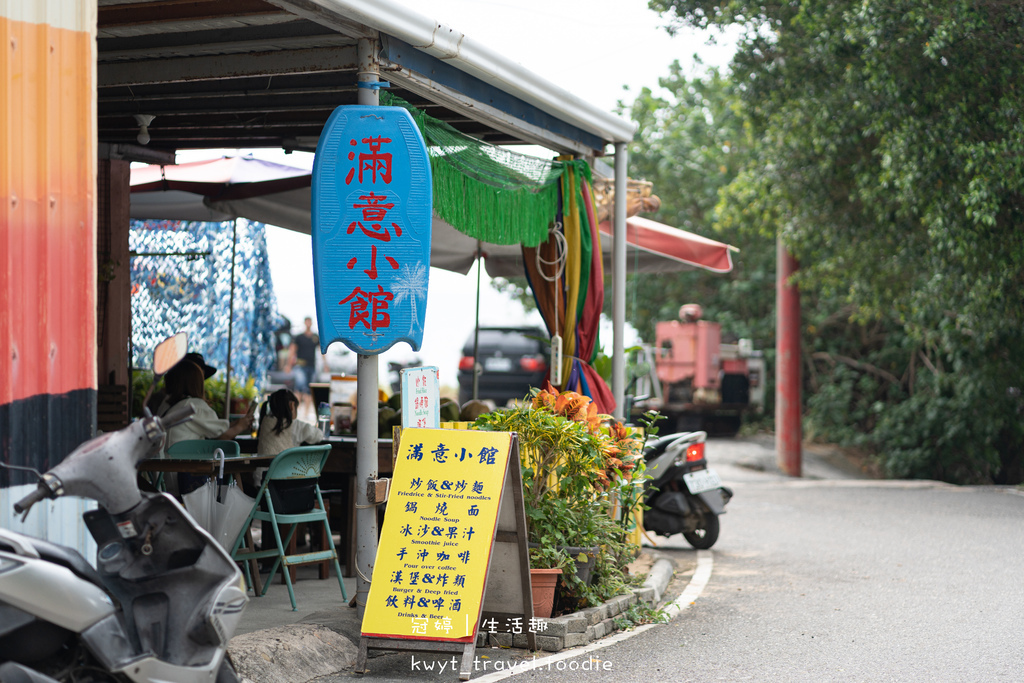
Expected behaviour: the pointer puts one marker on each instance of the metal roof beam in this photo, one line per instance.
(446, 45)
(157, 132)
(173, 11)
(254, 84)
(224, 48)
(438, 81)
(294, 27)
(227, 66)
(263, 105)
(222, 94)
(518, 130)
(326, 16)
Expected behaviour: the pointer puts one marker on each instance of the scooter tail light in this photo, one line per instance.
(466, 363)
(695, 452)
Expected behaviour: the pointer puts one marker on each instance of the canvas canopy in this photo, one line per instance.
(275, 194)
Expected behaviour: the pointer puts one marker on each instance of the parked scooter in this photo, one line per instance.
(165, 597)
(684, 494)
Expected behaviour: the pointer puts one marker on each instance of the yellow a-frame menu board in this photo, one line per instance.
(434, 553)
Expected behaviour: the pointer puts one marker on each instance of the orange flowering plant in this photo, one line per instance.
(621, 463)
(583, 476)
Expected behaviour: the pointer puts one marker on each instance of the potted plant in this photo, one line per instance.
(579, 470)
(544, 579)
(241, 394)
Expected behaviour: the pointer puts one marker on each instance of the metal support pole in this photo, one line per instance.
(366, 394)
(619, 284)
(477, 367)
(231, 322)
(788, 431)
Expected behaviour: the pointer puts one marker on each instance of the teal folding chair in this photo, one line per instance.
(194, 449)
(198, 449)
(286, 498)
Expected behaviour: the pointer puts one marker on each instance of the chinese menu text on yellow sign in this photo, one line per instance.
(432, 559)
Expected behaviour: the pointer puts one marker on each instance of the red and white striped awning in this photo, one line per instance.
(654, 247)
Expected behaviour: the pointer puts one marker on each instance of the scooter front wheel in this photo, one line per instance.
(705, 535)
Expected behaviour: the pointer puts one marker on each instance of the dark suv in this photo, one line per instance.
(511, 360)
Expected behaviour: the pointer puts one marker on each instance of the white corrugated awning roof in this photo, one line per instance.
(259, 73)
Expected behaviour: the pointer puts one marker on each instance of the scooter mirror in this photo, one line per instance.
(168, 353)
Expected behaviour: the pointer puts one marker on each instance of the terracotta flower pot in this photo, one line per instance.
(543, 583)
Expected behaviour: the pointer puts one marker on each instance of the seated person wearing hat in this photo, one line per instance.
(184, 383)
(158, 404)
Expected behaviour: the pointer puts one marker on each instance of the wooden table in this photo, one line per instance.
(207, 466)
(339, 474)
(342, 459)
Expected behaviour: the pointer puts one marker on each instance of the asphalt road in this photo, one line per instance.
(838, 578)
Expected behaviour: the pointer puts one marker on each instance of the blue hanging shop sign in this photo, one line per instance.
(371, 222)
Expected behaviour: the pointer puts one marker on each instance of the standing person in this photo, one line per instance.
(282, 344)
(302, 356)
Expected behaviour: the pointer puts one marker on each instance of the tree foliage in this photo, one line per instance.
(690, 145)
(887, 150)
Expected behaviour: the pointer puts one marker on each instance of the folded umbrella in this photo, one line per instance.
(220, 507)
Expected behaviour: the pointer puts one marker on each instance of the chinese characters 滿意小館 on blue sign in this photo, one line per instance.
(371, 220)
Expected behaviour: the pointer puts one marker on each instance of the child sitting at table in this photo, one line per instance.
(279, 428)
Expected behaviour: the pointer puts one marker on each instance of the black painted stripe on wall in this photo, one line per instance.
(41, 430)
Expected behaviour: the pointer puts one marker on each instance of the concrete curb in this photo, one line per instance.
(660, 576)
(693, 590)
(592, 623)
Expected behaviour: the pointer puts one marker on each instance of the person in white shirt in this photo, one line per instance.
(279, 428)
(279, 431)
(184, 383)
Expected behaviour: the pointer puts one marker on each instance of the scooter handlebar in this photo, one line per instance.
(31, 499)
(177, 415)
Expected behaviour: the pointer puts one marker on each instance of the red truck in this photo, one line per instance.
(695, 380)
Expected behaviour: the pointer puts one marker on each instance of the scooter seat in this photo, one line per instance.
(659, 445)
(65, 557)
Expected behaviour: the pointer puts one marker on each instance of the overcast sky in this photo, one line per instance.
(592, 48)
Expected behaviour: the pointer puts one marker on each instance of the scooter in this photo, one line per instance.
(684, 495)
(164, 598)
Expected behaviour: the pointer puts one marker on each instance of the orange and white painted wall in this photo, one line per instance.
(47, 237)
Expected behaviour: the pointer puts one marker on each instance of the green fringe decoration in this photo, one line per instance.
(484, 191)
(489, 214)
